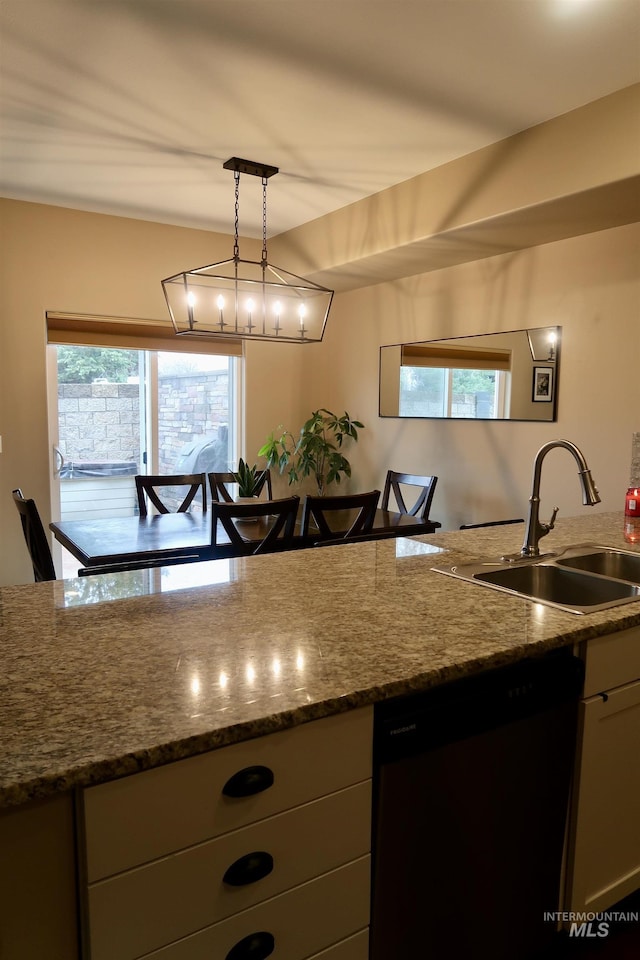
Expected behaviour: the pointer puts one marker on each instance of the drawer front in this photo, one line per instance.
(353, 948)
(147, 815)
(302, 921)
(142, 909)
(611, 661)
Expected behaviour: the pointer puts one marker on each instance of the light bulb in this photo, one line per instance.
(191, 299)
(250, 306)
(220, 302)
(277, 307)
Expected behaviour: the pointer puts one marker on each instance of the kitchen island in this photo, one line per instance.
(108, 676)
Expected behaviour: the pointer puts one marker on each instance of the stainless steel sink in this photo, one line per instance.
(606, 562)
(582, 579)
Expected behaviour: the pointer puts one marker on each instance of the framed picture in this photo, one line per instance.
(542, 384)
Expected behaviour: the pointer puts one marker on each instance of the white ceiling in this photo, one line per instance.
(130, 107)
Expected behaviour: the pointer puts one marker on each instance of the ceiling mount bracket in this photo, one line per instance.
(238, 165)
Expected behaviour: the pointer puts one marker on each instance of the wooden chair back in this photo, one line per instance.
(146, 491)
(426, 487)
(328, 514)
(219, 484)
(35, 538)
(274, 530)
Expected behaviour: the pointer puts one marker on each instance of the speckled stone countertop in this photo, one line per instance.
(103, 676)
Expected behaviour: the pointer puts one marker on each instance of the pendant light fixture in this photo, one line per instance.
(247, 299)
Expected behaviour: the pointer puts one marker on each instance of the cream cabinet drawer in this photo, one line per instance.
(611, 661)
(300, 922)
(147, 815)
(144, 908)
(353, 948)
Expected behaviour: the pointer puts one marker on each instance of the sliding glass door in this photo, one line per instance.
(115, 413)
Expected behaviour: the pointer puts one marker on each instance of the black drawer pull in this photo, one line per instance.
(248, 869)
(256, 946)
(246, 782)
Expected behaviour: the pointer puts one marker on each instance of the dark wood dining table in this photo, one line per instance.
(185, 536)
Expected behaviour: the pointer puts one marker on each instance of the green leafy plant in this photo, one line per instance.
(317, 450)
(249, 479)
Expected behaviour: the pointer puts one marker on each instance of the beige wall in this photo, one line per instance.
(589, 285)
(65, 260)
(57, 259)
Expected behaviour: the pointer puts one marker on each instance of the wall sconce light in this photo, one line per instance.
(543, 343)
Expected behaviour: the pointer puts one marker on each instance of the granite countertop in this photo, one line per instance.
(107, 675)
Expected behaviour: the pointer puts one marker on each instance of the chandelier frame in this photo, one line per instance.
(267, 302)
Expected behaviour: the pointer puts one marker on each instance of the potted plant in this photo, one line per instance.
(317, 450)
(249, 480)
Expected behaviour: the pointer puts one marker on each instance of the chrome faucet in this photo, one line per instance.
(590, 496)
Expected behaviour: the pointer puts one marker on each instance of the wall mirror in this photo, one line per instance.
(495, 376)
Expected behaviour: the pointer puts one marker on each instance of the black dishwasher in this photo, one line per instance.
(471, 794)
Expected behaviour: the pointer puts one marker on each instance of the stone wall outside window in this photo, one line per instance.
(100, 422)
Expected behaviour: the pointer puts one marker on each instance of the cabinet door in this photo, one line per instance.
(604, 855)
(38, 895)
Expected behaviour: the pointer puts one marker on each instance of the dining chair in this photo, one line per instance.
(219, 485)
(35, 537)
(329, 515)
(237, 520)
(146, 490)
(395, 482)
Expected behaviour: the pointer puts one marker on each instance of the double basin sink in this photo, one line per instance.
(581, 579)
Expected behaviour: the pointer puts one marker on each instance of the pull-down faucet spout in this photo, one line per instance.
(535, 529)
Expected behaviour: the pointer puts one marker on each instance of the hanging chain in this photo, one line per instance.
(236, 246)
(264, 220)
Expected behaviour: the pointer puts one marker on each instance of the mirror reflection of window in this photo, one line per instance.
(452, 392)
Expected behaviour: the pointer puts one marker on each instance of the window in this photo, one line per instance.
(123, 412)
